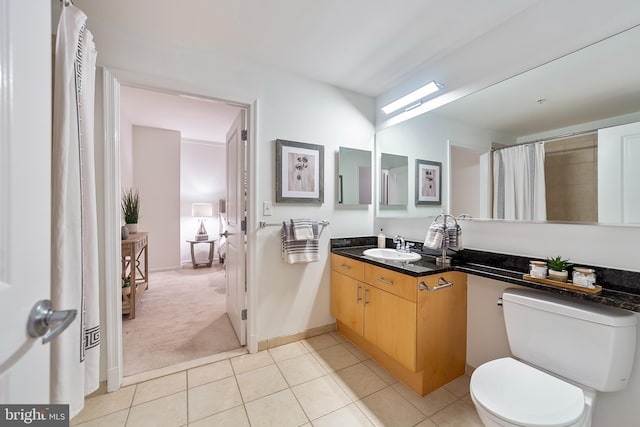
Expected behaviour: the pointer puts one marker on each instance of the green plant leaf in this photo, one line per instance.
(558, 264)
(130, 206)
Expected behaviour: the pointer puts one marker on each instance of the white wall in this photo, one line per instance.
(156, 175)
(291, 298)
(203, 179)
(126, 153)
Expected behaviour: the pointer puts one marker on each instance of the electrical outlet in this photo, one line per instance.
(266, 208)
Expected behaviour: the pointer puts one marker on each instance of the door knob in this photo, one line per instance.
(41, 318)
(225, 234)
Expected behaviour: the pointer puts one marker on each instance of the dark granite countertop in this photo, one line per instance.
(621, 288)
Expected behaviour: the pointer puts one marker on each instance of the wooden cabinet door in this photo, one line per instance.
(390, 325)
(442, 329)
(347, 301)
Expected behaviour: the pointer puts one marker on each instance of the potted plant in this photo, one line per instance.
(130, 209)
(558, 268)
(126, 285)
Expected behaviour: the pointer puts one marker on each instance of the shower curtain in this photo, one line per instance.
(75, 354)
(518, 183)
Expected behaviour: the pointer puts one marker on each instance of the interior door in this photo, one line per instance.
(618, 174)
(25, 178)
(235, 234)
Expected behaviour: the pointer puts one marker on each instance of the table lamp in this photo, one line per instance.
(201, 210)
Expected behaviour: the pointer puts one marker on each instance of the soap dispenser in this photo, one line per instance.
(382, 240)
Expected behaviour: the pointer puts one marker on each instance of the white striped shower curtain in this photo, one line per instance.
(518, 183)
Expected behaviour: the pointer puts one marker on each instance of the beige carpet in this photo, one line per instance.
(182, 316)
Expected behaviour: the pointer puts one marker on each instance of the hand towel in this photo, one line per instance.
(299, 251)
(303, 229)
(454, 237)
(435, 236)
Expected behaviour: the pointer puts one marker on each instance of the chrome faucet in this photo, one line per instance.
(401, 245)
(399, 241)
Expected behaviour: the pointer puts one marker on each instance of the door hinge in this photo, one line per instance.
(243, 225)
(244, 314)
(243, 135)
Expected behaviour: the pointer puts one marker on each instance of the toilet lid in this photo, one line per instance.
(523, 395)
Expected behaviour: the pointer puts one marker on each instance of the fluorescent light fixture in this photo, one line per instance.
(416, 95)
(422, 108)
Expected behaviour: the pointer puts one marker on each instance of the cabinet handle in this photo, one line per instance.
(386, 282)
(442, 283)
(365, 296)
(358, 299)
(345, 266)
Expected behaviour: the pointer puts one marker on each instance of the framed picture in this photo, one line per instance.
(299, 172)
(428, 182)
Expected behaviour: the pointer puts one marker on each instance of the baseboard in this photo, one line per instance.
(189, 264)
(287, 339)
(469, 369)
(113, 379)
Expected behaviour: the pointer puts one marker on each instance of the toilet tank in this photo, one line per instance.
(588, 343)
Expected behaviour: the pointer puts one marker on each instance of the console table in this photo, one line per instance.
(207, 263)
(135, 265)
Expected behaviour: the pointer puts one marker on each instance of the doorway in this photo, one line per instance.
(182, 316)
(467, 194)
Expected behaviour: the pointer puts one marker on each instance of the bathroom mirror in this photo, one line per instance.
(394, 180)
(593, 88)
(354, 176)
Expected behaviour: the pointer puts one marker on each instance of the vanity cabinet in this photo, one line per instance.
(418, 335)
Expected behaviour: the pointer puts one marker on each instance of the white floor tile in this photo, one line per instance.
(320, 397)
(276, 410)
(211, 398)
(301, 369)
(260, 382)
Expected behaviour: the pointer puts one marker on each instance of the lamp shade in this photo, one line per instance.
(201, 209)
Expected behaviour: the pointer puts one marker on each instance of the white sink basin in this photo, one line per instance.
(392, 255)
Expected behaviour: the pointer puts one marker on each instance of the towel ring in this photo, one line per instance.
(446, 217)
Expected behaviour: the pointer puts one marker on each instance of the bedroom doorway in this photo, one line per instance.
(182, 317)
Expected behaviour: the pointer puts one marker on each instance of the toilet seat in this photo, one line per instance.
(524, 396)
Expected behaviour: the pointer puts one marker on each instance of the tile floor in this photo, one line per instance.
(320, 381)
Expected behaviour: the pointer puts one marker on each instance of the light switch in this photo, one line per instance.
(266, 208)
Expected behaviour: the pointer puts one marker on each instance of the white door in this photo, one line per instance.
(25, 178)
(236, 237)
(619, 174)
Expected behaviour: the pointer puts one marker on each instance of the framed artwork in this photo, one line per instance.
(428, 182)
(299, 172)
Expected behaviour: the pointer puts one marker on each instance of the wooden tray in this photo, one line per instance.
(563, 285)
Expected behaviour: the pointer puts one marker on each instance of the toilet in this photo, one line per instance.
(565, 352)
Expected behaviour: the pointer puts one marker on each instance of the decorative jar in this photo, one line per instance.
(585, 277)
(538, 269)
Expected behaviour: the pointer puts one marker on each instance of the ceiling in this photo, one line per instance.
(367, 46)
(378, 48)
(594, 83)
(198, 119)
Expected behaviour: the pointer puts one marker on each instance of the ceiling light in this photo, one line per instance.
(416, 95)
